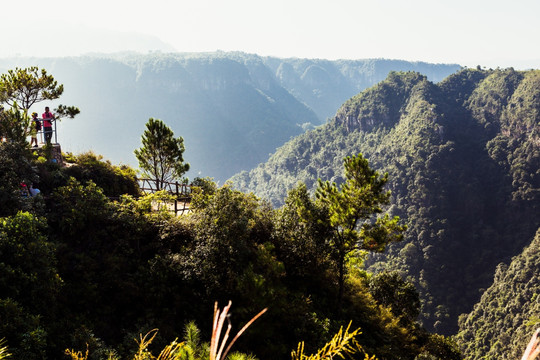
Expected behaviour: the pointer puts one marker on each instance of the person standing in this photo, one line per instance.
(35, 126)
(48, 118)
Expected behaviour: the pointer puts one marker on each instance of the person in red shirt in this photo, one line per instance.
(48, 118)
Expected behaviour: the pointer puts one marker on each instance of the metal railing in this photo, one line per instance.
(180, 192)
(41, 133)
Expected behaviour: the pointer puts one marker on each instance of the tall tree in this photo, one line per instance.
(22, 88)
(353, 213)
(30, 85)
(161, 154)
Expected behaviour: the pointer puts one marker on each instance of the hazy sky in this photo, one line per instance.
(473, 32)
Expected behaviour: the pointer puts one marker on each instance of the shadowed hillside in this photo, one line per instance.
(463, 158)
(507, 314)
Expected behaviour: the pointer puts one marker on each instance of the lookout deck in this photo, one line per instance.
(181, 194)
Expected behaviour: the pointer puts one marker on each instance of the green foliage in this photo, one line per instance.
(193, 341)
(390, 290)
(4, 354)
(63, 111)
(440, 347)
(30, 285)
(78, 207)
(28, 86)
(121, 262)
(114, 180)
(300, 237)
(353, 207)
(14, 125)
(15, 168)
(462, 158)
(161, 154)
(227, 227)
(28, 262)
(506, 315)
(25, 87)
(342, 344)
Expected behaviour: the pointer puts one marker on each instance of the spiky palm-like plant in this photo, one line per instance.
(342, 344)
(4, 354)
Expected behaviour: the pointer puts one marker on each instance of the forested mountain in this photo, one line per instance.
(502, 322)
(463, 158)
(232, 109)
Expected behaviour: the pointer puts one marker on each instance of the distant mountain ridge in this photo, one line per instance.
(232, 109)
(463, 158)
(324, 85)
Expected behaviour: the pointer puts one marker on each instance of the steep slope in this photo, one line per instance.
(463, 159)
(502, 322)
(231, 108)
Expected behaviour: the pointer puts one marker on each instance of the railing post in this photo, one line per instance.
(55, 133)
(41, 136)
(176, 200)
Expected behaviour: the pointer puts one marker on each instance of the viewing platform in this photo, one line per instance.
(56, 150)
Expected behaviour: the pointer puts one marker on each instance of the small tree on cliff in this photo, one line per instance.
(353, 213)
(161, 154)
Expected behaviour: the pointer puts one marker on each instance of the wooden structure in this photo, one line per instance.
(181, 193)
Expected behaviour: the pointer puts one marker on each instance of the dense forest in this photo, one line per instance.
(90, 264)
(463, 158)
(508, 311)
(233, 109)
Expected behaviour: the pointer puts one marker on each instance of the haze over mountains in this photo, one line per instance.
(90, 40)
(232, 109)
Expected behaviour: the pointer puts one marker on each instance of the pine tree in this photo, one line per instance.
(353, 211)
(161, 154)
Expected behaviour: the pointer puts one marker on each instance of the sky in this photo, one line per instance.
(491, 34)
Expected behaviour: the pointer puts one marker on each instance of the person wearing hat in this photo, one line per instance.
(35, 126)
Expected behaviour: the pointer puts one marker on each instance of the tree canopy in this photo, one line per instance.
(353, 209)
(28, 86)
(22, 88)
(161, 154)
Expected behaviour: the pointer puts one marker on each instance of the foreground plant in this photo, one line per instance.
(173, 351)
(342, 344)
(3, 350)
(190, 349)
(219, 320)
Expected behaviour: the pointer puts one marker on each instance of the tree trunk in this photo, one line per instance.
(341, 279)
